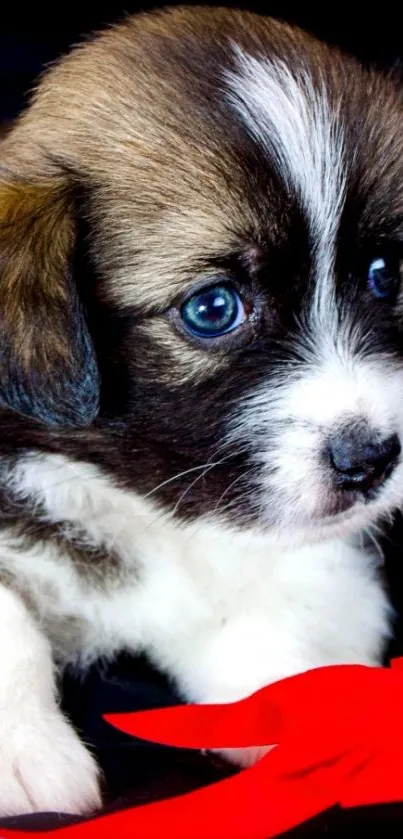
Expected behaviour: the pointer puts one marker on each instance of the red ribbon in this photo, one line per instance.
(339, 741)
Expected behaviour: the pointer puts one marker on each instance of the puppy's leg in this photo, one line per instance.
(43, 764)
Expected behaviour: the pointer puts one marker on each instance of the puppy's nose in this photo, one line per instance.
(361, 462)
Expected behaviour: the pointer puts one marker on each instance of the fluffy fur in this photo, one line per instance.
(162, 493)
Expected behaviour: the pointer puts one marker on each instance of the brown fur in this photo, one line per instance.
(36, 238)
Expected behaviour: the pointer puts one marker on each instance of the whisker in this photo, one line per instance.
(229, 487)
(207, 468)
(177, 476)
(374, 540)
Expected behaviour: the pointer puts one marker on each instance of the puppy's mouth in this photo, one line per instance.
(343, 505)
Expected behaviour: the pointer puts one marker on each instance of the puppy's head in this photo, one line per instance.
(201, 261)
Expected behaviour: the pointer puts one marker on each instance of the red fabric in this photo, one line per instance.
(339, 741)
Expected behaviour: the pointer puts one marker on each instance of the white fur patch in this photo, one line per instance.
(293, 120)
(223, 612)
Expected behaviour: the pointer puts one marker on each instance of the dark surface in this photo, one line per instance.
(131, 767)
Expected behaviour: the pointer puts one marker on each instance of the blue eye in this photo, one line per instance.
(384, 277)
(214, 311)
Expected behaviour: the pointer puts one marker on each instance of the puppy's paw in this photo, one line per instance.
(245, 757)
(45, 767)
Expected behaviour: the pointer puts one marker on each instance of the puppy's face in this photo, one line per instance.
(202, 227)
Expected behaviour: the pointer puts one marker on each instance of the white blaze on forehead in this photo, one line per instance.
(292, 118)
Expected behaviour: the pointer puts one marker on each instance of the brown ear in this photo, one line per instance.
(48, 368)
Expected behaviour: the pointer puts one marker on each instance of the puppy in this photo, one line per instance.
(201, 377)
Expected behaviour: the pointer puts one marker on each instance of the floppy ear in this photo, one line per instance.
(48, 367)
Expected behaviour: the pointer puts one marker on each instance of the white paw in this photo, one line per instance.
(245, 757)
(45, 767)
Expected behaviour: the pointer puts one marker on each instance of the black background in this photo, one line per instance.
(31, 38)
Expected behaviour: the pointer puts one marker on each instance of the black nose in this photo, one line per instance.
(361, 462)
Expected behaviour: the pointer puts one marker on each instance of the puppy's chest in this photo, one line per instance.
(98, 589)
(113, 573)
(104, 570)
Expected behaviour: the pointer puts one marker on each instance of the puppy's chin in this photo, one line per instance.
(334, 516)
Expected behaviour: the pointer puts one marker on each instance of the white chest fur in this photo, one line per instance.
(222, 612)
